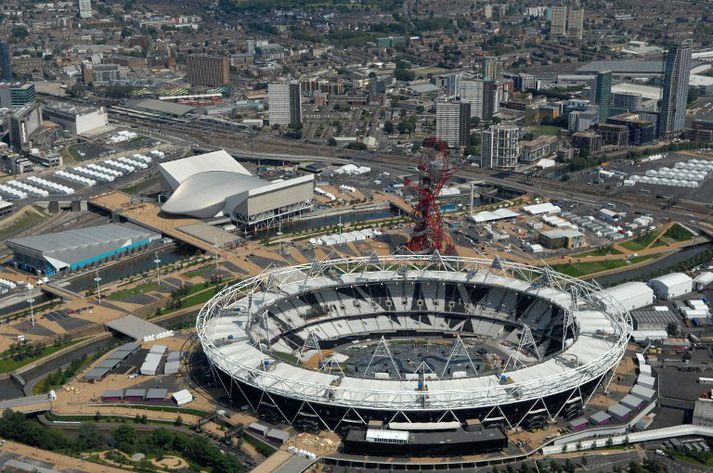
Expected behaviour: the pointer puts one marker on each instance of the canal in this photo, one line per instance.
(664, 264)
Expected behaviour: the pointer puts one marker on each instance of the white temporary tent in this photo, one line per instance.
(182, 397)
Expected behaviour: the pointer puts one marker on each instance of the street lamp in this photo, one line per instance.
(97, 279)
(158, 270)
(31, 301)
(217, 255)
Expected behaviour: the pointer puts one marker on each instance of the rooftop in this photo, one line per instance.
(162, 106)
(134, 327)
(71, 246)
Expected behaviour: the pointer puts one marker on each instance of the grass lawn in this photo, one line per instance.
(204, 271)
(583, 269)
(104, 418)
(546, 129)
(196, 297)
(134, 291)
(70, 155)
(286, 357)
(705, 459)
(642, 241)
(25, 222)
(177, 410)
(200, 297)
(10, 364)
(263, 448)
(599, 252)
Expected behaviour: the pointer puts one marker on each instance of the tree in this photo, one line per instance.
(77, 90)
(125, 438)
(404, 74)
(331, 141)
(89, 437)
(388, 127)
(692, 95)
(357, 145)
(178, 422)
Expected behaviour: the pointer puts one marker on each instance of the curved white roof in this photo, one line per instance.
(672, 279)
(203, 195)
(629, 290)
(175, 172)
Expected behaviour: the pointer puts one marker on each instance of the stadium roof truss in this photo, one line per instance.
(589, 355)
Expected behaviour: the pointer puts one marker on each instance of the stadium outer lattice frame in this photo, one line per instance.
(259, 385)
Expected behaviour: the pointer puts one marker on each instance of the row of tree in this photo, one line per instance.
(196, 449)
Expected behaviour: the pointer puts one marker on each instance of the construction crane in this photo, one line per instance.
(434, 170)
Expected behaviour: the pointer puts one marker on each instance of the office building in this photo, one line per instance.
(450, 82)
(490, 68)
(500, 147)
(582, 120)
(614, 135)
(602, 94)
(677, 71)
(24, 123)
(482, 97)
(212, 71)
(700, 130)
(558, 23)
(471, 91)
(100, 74)
(16, 95)
(625, 102)
(641, 131)
(575, 23)
(5, 63)
(452, 122)
(75, 119)
(85, 8)
(285, 101)
(544, 146)
(250, 45)
(587, 140)
(524, 81)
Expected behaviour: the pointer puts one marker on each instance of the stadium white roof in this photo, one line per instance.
(234, 353)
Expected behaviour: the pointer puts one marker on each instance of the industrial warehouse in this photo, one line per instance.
(73, 250)
(215, 184)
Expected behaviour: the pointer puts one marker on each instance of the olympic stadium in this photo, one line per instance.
(332, 345)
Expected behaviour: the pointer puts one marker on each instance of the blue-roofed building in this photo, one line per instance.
(72, 250)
